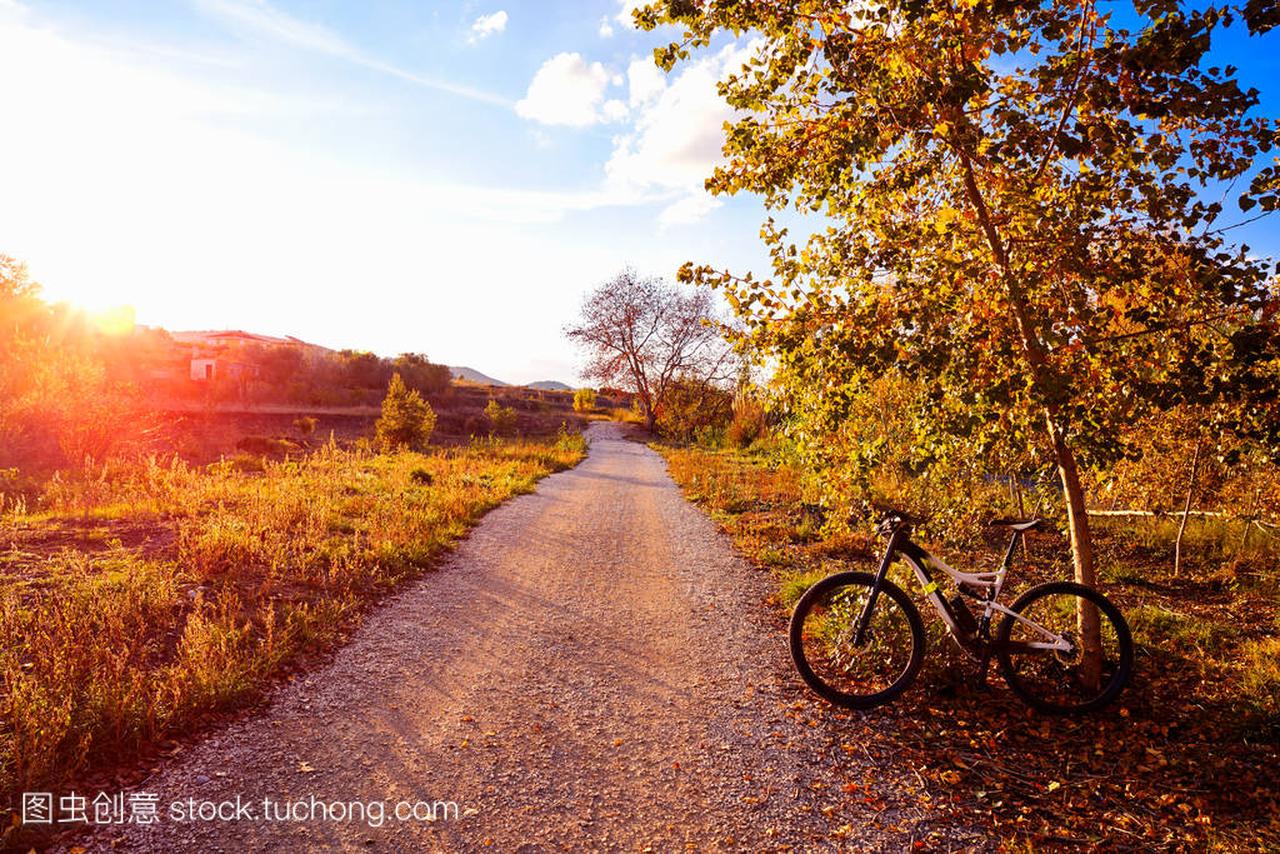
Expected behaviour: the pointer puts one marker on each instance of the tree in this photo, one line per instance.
(1017, 205)
(277, 365)
(422, 374)
(407, 420)
(362, 369)
(643, 334)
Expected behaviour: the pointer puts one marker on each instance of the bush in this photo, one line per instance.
(584, 400)
(502, 419)
(693, 408)
(407, 420)
(748, 422)
(266, 446)
(626, 415)
(306, 425)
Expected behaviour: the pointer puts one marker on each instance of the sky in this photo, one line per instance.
(448, 178)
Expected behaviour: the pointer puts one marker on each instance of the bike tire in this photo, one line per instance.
(1119, 676)
(818, 594)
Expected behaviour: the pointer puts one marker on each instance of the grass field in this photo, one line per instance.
(135, 599)
(1189, 758)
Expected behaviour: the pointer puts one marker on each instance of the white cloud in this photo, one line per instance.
(606, 28)
(678, 133)
(646, 81)
(626, 7)
(487, 25)
(688, 210)
(261, 18)
(568, 90)
(614, 110)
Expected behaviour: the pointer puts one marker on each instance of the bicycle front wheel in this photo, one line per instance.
(856, 676)
(1068, 680)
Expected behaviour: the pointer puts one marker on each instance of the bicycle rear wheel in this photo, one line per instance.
(856, 676)
(1058, 681)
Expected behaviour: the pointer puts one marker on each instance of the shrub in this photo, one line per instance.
(693, 408)
(407, 420)
(306, 425)
(626, 415)
(584, 400)
(502, 419)
(266, 446)
(570, 441)
(747, 424)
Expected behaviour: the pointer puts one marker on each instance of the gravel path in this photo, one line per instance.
(593, 669)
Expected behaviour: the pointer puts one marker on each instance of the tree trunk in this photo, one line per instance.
(1088, 624)
(1186, 507)
(1249, 520)
(649, 412)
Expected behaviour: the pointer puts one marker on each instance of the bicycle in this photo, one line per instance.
(858, 640)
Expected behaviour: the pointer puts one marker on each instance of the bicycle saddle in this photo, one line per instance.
(891, 520)
(1017, 524)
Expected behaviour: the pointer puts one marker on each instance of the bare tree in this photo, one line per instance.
(642, 334)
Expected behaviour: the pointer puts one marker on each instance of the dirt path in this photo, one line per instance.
(593, 669)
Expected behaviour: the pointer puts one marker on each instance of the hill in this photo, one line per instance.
(550, 385)
(471, 375)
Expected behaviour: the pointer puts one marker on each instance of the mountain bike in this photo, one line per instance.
(858, 640)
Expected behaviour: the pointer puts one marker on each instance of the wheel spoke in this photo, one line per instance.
(827, 641)
(1060, 681)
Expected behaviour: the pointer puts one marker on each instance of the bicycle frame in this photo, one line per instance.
(988, 584)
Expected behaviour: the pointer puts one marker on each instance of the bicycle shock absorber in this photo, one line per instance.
(963, 616)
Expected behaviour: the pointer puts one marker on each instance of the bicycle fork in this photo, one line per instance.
(864, 619)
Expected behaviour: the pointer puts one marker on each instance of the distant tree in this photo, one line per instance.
(277, 365)
(584, 400)
(643, 333)
(54, 381)
(23, 326)
(407, 420)
(362, 369)
(1021, 200)
(422, 374)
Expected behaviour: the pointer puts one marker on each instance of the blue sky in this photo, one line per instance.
(448, 178)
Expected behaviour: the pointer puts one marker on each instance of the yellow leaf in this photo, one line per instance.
(945, 217)
(1054, 785)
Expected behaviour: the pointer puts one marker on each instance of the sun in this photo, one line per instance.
(119, 320)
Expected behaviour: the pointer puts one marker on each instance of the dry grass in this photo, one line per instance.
(105, 646)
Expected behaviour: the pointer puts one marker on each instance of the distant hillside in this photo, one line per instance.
(551, 385)
(471, 375)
